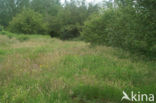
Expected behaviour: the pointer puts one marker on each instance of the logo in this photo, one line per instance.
(138, 97)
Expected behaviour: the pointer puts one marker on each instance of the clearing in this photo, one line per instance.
(40, 69)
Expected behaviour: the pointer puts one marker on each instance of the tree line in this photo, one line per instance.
(128, 24)
(45, 16)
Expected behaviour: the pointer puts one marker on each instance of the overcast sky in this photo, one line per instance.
(94, 1)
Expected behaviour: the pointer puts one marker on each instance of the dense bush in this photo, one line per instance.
(67, 23)
(28, 22)
(70, 31)
(62, 20)
(120, 27)
(91, 30)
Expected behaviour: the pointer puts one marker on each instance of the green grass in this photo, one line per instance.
(40, 69)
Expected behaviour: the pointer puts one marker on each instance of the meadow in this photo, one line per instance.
(40, 69)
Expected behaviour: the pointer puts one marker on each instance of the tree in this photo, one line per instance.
(46, 7)
(28, 22)
(72, 17)
(130, 25)
(9, 8)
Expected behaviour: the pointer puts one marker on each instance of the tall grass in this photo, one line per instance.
(47, 70)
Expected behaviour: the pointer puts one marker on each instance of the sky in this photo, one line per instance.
(94, 1)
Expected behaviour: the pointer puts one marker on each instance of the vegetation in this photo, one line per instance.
(127, 24)
(28, 22)
(45, 70)
(123, 25)
(76, 52)
(45, 16)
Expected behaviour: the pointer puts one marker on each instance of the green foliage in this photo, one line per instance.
(69, 31)
(46, 7)
(46, 70)
(9, 8)
(90, 31)
(54, 26)
(63, 21)
(28, 22)
(67, 24)
(121, 27)
(128, 24)
(1, 28)
(21, 37)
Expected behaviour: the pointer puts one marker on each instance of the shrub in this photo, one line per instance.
(54, 26)
(1, 28)
(95, 29)
(120, 27)
(69, 31)
(28, 22)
